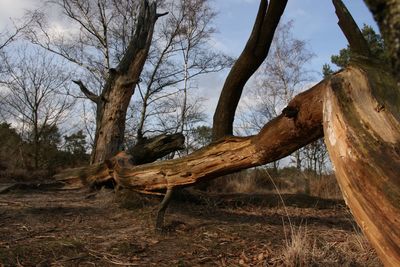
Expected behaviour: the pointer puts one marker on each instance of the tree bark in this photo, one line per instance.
(387, 15)
(145, 151)
(251, 58)
(362, 133)
(150, 149)
(363, 140)
(359, 112)
(113, 102)
(299, 124)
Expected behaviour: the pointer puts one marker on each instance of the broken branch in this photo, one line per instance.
(90, 95)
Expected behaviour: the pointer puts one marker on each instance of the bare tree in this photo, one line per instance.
(315, 157)
(252, 56)
(34, 83)
(111, 47)
(357, 109)
(18, 26)
(278, 79)
(97, 37)
(181, 51)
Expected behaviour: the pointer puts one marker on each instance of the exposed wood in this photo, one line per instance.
(119, 88)
(163, 208)
(279, 138)
(150, 149)
(145, 151)
(363, 140)
(250, 59)
(358, 107)
(362, 133)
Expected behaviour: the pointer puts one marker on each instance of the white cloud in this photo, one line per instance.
(13, 9)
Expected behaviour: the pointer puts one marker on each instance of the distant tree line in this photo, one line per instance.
(50, 152)
(40, 100)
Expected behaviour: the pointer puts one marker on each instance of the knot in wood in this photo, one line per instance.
(290, 112)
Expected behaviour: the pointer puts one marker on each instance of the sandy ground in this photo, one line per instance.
(51, 227)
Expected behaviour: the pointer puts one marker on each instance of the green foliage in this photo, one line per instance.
(75, 143)
(375, 43)
(327, 70)
(75, 149)
(43, 145)
(9, 147)
(343, 59)
(50, 136)
(17, 155)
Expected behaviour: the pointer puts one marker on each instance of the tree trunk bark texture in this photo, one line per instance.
(113, 102)
(253, 55)
(387, 15)
(357, 109)
(363, 139)
(145, 151)
(299, 124)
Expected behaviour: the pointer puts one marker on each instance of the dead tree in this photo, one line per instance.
(253, 55)
(117, 83)
(356, 110)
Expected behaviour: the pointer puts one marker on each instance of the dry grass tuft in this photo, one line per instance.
(287, 180)
(326, 187)
(304, 249)
(300, 250)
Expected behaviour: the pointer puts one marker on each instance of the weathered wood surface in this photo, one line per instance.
(113, 102)
(150, 149)
(359, 111)
(362, 133)
(299, 124)
(363, 139)
(145, 151)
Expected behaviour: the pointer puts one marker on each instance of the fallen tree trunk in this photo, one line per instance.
(363, 140)
(150, 149)
(299, 124)
(145, 151)
(359, 111)
(362, 134)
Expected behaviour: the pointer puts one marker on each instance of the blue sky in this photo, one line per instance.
(314, 21)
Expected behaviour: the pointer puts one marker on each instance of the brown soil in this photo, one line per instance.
(51, 227)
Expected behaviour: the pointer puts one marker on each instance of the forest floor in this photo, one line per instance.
(52, 227)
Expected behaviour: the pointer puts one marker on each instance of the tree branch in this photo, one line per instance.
(228, 155)
(387, 15)
(142, 36)
(253, 55)
(159, 15)
(90, 95)
(357, 42)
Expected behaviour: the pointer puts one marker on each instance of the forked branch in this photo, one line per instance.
(357, 42)
(253, 55)
(279, 138)
(89, 94)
